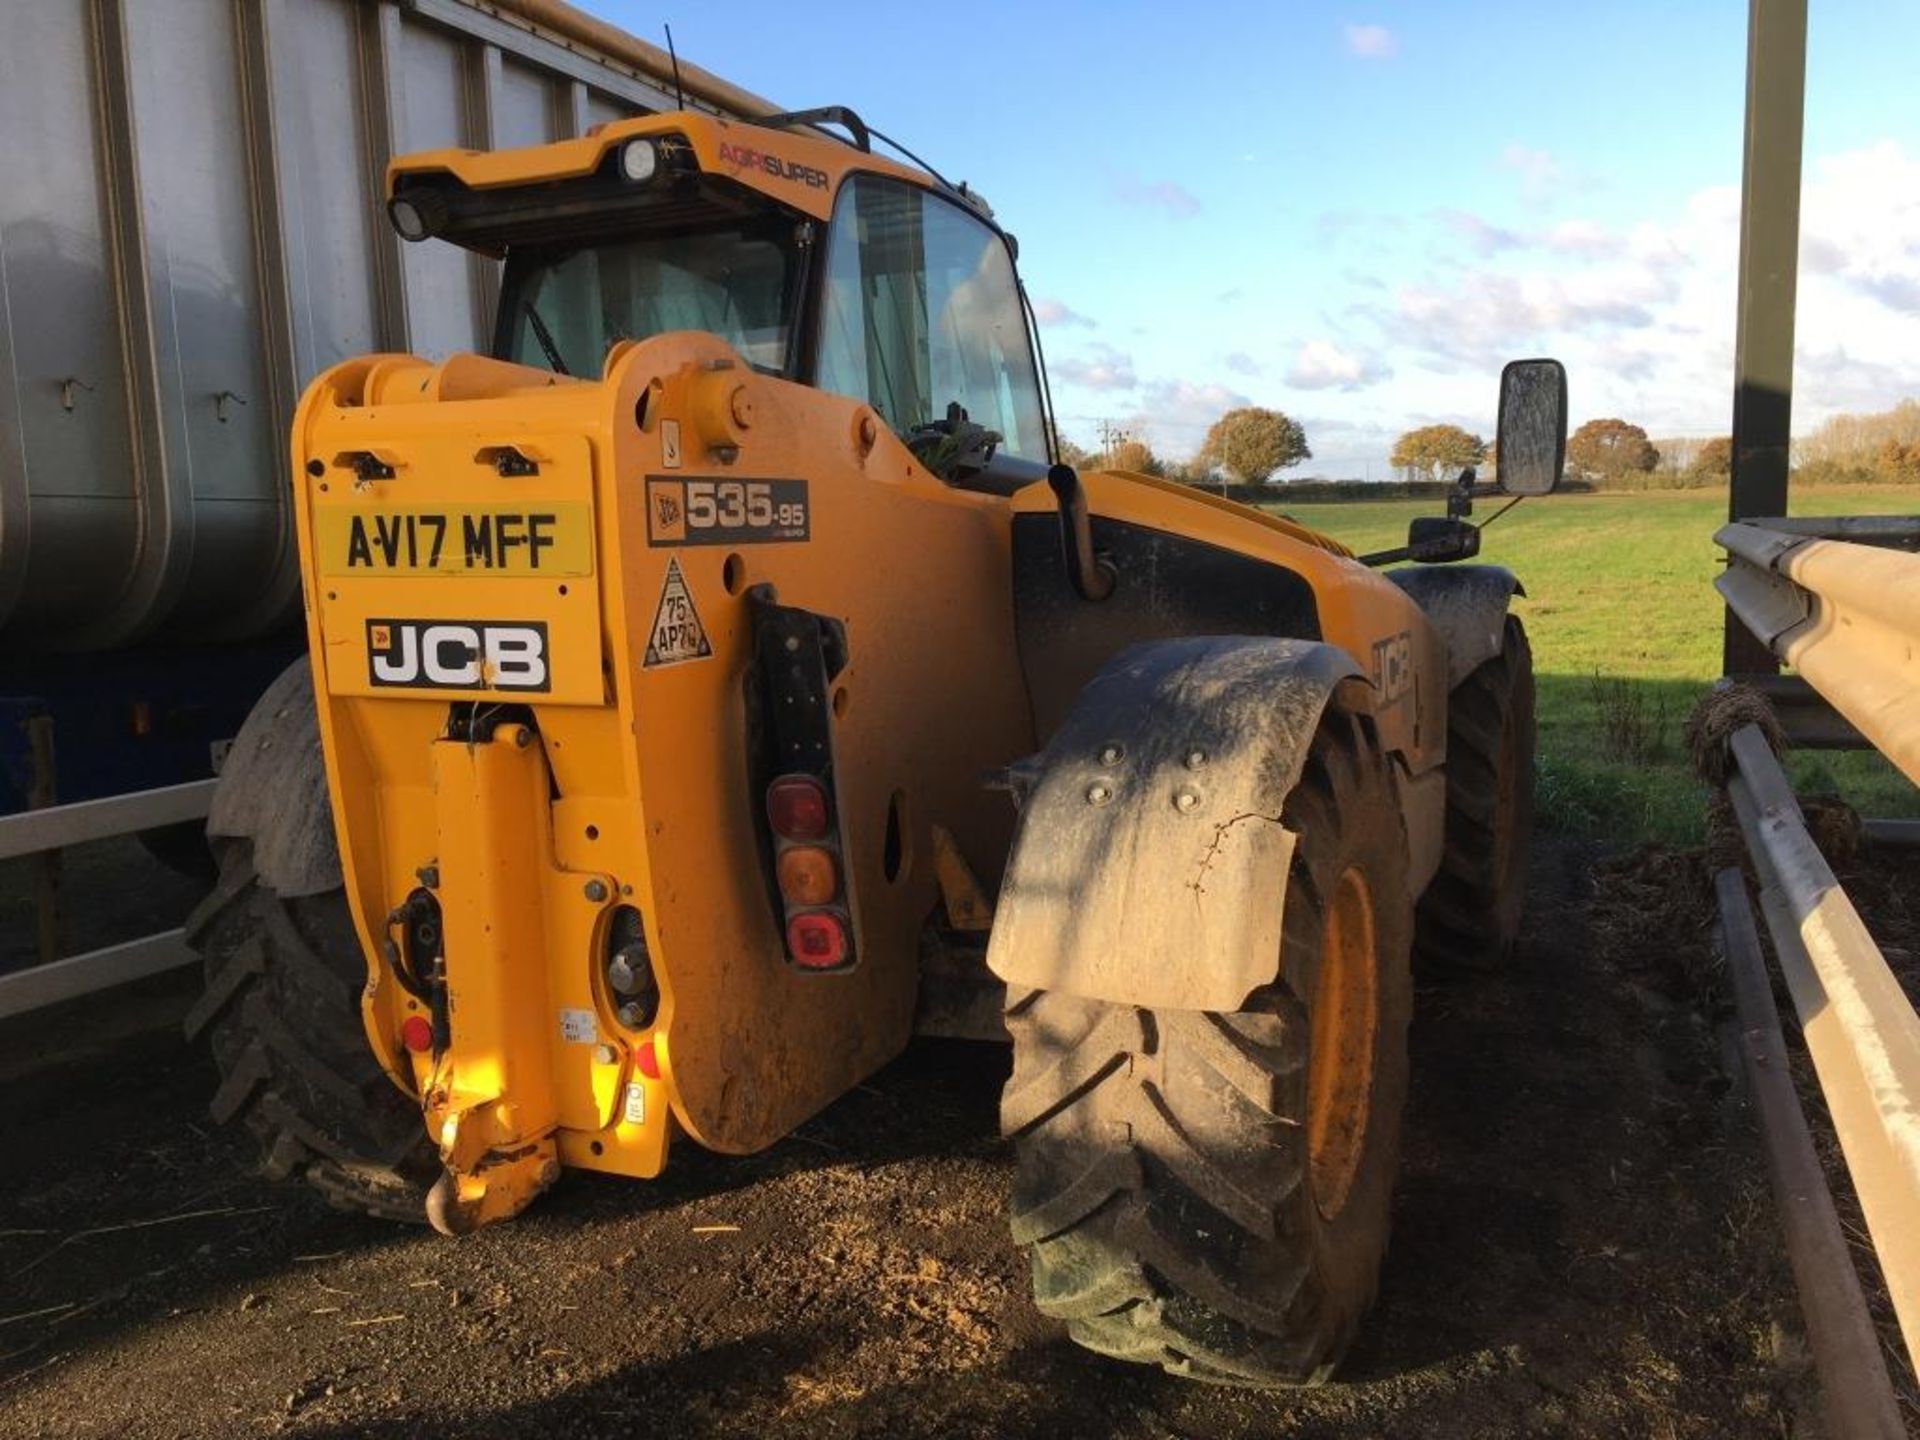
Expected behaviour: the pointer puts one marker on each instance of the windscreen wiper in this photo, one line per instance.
(545, 337)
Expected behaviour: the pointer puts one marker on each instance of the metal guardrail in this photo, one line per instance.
(28, 990)
(1860, 1029)
(1856, 1389)
(1845, 613)
(33, 832)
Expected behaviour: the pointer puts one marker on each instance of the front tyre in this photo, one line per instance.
(1209, 1192)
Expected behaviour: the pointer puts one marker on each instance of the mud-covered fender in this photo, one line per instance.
(1467, 604)
(1150, 867)
(273, 790)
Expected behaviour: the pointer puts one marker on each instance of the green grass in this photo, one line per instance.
(1626, 631)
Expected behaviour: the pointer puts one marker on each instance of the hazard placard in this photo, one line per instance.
(677, 633)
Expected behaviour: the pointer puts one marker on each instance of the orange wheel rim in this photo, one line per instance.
(1340, 1067)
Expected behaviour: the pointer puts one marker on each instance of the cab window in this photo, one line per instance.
(920, 308)
(565, 305)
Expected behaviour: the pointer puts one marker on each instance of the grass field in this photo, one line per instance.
(1626, 630)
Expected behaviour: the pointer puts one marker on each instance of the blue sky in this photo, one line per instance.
(1354, 214)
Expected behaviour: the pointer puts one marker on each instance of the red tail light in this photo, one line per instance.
(416, 1033)
(817, 940)
(797, 807)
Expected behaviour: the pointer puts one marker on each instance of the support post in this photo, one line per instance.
(1769, 265)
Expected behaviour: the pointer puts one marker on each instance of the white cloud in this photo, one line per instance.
(1819, 255)
(1544, 178)
(1372, 42)
(1857, 328)
(1902, 292)
(1584, 237)
(1166, 195)
(1642, 310)
(1861, 224)
(1322, 365)
(1537, 166)
(1058, 312)
(1102, 368)
(1644, 313)
(1484, 236)
(1174, 415)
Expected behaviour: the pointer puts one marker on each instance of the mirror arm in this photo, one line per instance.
(1386, 557)
(1501, 511)
(1433, 542)
(1466, 489)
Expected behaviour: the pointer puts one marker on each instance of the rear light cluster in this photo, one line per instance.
(806, 863)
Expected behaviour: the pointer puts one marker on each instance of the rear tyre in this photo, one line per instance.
(182, 849)
(1209, 1192)
(1469, 917)
(281, 1013)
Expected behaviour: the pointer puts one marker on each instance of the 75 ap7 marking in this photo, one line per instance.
(694, 511)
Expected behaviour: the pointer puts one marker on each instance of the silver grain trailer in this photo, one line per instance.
(190, 227)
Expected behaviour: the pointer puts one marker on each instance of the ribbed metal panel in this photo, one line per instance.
(190, 228)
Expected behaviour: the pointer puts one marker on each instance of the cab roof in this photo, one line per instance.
(797, 168)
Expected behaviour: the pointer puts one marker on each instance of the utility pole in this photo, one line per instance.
(1110, 436)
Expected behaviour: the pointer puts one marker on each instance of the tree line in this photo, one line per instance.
(1878, 448)
(1252, 444)
(1883, 447)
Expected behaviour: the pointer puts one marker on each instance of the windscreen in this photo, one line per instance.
(563, 307)
(920, 309)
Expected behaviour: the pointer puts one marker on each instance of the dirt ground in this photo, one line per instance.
(1584, 1245)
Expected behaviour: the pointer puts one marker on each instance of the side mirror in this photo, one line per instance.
(1532, 429)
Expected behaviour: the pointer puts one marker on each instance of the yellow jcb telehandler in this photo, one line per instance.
(719, 673)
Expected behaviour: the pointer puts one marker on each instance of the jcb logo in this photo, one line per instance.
(1393, 666)
(458, 654)
(668, 516)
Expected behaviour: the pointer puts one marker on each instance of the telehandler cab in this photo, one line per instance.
(669, 670)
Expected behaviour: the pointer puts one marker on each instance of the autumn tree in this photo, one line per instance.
(1713, 460)
(1252, 443)
(1898, 462)
(1438, 451)
(1857, 439)
(1136, 456)
(1610, 450)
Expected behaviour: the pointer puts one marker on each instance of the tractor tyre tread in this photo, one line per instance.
(1162, 1186)
(1469, 917)
(281, 1014)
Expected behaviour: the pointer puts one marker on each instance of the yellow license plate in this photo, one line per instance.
(552, 539)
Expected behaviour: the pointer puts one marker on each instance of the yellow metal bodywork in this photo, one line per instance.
(624, 782)
(643, 769)
(1360, 610)
(797, 168)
